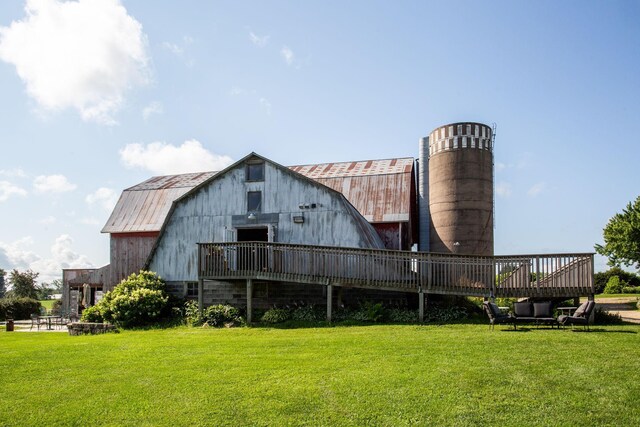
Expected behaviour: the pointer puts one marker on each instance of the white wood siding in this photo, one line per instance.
(205, 216)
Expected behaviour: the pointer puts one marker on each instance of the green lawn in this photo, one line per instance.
(47, 303)
(360, 375)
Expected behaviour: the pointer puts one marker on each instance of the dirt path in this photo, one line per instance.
(621, 307)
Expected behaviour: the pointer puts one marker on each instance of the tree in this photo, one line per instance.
(622, 237)
(45, 290)
(23, 284)
(3, 288)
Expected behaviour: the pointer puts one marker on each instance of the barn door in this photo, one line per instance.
(231, 235)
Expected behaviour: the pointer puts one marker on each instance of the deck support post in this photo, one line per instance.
(329, 300)
(249, 301)
(200, 295)
(420, 305)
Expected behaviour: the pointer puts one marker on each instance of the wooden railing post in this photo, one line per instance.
(249, 301)
(329, 300)
(420, 305)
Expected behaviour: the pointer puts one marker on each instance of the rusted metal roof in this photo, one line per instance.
(381, 190)
(144, 207)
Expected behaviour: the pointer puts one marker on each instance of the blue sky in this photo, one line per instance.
(97, 96)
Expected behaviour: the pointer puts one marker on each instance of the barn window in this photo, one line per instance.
(254, 201)
(192, 289)
(254, 171)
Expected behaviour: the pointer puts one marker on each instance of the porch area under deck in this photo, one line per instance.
(534, 276)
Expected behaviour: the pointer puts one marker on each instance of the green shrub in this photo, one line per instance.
(631, 290)
(56, 307)
(613, 286)
(603, 317)
(222, 315)
(18, 308)
(602, 278)
(307, 313)
(92, 314)
(369, 312)
(140, 299)
(439, 314)
(276, 315)
(402, 315)
(192, 314)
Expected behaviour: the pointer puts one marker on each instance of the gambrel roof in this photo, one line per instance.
(381, 190)
(144, 207)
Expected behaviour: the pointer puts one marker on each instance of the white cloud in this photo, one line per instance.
(536, 189)
(163, 158)
(266, 105)
(83, 54)
(503, 189)
(13, 173)
(173, 48)
(48, 220)
(178, 49)
(260, 41)
(19, 255)
(53, 184)
(7, 189)
(153, 108)
(287, 55)
(90, 221)
(105, 197)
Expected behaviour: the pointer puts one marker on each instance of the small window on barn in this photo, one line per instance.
(254, 201)
(192, 289)
(254, 171)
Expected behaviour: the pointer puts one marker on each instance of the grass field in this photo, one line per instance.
(359, 375)
(47, 303)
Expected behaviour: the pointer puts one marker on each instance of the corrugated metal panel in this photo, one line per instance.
(145, 206)
(360, 168)
(379, 189)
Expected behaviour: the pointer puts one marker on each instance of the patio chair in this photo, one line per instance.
(579, 317)
(37, 321)
(496, 316)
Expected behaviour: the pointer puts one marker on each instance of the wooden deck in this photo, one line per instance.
(545, 276)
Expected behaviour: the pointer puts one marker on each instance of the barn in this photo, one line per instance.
(257, 233)
(158, 223)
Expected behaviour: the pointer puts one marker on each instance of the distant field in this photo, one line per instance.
(360, 375)
(630, 296)
(47, 303)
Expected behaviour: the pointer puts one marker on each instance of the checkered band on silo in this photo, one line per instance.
(460, 136)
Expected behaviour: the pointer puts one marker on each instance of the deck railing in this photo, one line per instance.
(484, 276)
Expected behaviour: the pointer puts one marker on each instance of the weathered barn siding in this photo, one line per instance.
(209, 211)
(383, 191)
(129, 252)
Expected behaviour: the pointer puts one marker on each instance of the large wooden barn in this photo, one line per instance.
(259, 234)
(158, 223)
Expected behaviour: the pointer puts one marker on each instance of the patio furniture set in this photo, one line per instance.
(51, 322)
(539, 313)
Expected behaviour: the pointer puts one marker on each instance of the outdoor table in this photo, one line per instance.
(49, 319)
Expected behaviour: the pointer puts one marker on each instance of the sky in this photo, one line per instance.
(99, 95)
